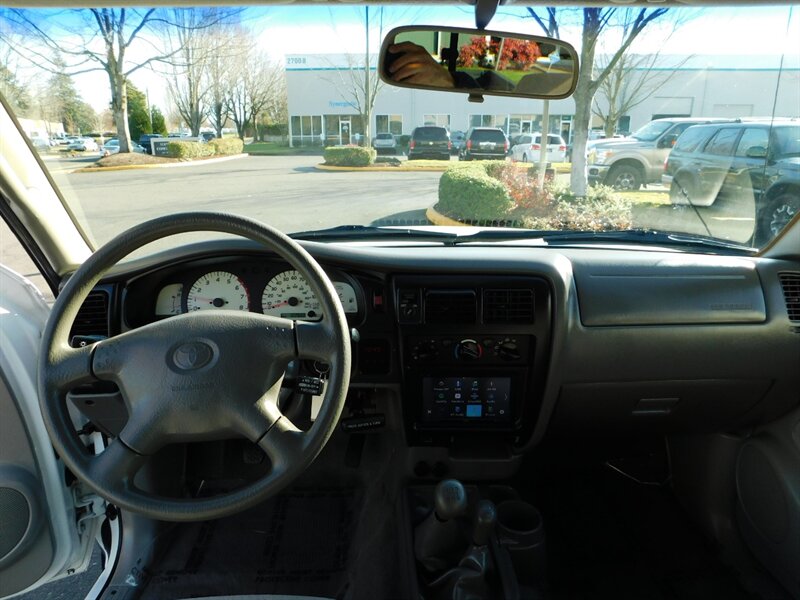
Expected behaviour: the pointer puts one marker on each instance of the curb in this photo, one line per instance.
(438, 218)
(324, 167)
(172, 165)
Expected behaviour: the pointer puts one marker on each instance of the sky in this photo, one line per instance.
(283, 30)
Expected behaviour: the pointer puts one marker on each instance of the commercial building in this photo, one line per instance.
(323, 108)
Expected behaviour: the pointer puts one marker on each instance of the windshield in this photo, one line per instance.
(652, 131)
(787, 142)
(273, 112)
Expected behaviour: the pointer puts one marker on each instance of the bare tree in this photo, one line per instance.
(228, 48)
(253, 86)
(12, 87)
(195, 37)
(95, 39)
(595, 22)
(355, 83)
(633, 79)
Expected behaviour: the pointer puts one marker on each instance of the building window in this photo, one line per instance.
(438, 120)
(306, 130)
(500, 121)
(389, 124)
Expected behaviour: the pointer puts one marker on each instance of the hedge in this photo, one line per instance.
(226, 146)
(349, 156)
(468, 192)
(189, 150)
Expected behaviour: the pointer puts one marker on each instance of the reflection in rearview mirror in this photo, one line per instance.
(478, 62)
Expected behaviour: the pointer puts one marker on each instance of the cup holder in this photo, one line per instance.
(520, 530)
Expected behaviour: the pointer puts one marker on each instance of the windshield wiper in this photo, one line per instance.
(566, 238)
(351, 232)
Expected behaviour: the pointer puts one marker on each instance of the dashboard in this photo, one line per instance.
(509, 343)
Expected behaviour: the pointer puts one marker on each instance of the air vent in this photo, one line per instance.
(92, 317)
(790, 282)
(508, 306)
(450, 306)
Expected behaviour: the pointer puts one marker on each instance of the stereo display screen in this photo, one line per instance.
(466, 399)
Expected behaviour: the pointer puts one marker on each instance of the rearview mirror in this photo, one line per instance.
(478, 62)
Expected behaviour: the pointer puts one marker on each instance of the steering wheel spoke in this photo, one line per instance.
(315, 340)
(283, 443)
(69, 367)
(116, 466)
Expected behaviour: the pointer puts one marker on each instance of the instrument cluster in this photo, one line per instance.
(266, 287)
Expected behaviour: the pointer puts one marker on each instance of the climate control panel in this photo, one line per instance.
(477, 349)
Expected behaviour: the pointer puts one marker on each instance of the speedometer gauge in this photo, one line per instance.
(218, 290)
(288, 295)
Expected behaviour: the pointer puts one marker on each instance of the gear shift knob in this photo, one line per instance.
(450, 500)
(485, 519)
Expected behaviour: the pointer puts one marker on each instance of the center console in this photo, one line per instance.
(473, 354)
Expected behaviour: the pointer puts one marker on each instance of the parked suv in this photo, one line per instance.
(484, 142)
(628, 163)
(385, 143)
(751, 159)
(144, 141)
(527, 147)
(429, 142)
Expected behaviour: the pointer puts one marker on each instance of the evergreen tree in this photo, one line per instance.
(138, 115)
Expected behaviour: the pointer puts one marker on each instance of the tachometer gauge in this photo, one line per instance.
(288, 295)
(218, 290)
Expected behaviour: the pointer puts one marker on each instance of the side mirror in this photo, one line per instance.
(478, 62)
(756, 152)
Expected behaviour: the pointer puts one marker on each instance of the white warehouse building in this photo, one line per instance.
(321, 106)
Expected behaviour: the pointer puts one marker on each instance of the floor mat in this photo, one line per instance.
(609, 537)
(297, 543)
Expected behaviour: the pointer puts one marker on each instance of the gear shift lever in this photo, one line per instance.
(438, 541)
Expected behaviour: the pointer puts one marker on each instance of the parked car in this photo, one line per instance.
(144, 141)
(629, 163)
(739, 162)
(457, 139)
(429, 141)
(484, 143)
(208, 135)
(384, 143)
(83, 145)
(112, 147)
(527, 148)
(40, 143)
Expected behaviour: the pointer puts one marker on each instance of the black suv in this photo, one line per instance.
(144, 141)
(758, 160)
(429, 142)
(484, 142)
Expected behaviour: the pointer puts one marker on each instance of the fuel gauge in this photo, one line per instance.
(169, 300)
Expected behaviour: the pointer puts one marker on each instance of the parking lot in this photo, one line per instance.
(289, 193)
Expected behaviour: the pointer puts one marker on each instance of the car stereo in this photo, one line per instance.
(475, 400)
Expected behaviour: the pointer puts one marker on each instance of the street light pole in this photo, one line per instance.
(367, 111)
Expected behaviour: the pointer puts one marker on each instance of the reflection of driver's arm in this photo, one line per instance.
(416, 65)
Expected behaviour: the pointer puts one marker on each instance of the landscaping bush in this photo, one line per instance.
(189, 150)
(602, 209)
(349, 156)
(499, 193)
(467, 192)
(226, 146)
(402, 141)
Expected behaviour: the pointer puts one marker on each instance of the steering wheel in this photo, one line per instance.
(206, 375)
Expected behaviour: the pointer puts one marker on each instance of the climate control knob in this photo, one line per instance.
(468, 350)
